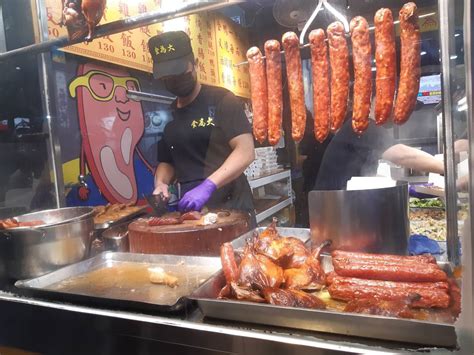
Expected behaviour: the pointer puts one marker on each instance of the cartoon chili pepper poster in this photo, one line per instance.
(112, 168)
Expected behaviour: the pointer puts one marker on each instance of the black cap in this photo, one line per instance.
(171, 52)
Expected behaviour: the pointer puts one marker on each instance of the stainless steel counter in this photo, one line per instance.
(50, 327)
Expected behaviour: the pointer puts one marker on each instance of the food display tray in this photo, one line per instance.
(361, 325)
(138, 293)
(129, 217)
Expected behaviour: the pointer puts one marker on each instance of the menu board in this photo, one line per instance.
(217, 42)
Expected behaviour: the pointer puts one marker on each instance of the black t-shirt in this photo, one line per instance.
(196, 141)
(314, 152)
(349, 155)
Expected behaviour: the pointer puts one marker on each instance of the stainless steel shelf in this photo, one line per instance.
(274, 209)
(269, 179)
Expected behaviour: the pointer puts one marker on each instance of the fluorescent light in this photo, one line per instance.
(462, 101)
(423, 53)
(457, 34)
(374, 69)
(453, 57)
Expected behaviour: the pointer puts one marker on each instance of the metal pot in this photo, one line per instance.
(64, 239)
(116, 238)
(374, 220)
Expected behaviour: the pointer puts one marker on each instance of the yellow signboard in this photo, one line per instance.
(129, 48)
(232, 45)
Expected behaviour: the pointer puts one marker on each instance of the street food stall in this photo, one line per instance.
(360, 123)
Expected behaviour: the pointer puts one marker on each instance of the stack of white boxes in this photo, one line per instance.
(265, 163)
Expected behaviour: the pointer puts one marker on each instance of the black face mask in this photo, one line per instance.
(181, 85)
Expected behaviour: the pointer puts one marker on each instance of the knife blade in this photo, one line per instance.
(157, 203)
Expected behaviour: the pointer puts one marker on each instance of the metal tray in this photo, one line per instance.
(367, 326)
(129, 217)
(120, 280)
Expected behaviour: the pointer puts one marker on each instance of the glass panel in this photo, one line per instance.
(26, 182)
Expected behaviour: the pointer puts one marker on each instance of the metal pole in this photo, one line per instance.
(121, 26)
(465, 326)
(49, 108)
(3, 41)
(446, 31)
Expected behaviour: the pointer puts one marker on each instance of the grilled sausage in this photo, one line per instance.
(429, 294)
(163, 221)
(320, 74)
(390, 271)
(399, 259)
(409, 83)
(385, 63)
(361, 55)
(258, 87)
(339, 59)
(274, 85)
(229, 266)
(294, 74)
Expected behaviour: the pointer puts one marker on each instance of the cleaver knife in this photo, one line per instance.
(158, 204)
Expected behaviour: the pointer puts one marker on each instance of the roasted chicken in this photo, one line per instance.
(310, 275)
(81, 17)
(260, 273)
(292, 298)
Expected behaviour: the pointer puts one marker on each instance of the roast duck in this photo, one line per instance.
(82, 16)
(284, 271)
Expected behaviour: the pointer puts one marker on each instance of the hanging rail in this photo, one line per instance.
(308, 23)
(126, 24)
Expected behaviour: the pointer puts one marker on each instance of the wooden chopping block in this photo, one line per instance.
(187, 238)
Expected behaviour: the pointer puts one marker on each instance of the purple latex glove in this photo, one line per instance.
(195, 199)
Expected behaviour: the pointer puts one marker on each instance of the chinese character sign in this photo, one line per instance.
(217, 42)
(232, 45)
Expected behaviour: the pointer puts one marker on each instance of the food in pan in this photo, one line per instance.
(384, 258)
(362, 59)
(258, 87)
(274, 85)
(385, 64)
(395, 308)
(261, 274)
(265, 272)
(428, 222)
(339, 60)
(428, 294)
(402, 269)
(426, 203)
(410, 70)
(113, 212)
(292, 298)
(320, 76)
(294, 74)
(310, 275)
(13, 223)
(159, 276)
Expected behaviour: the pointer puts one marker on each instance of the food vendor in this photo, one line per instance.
(349, 154)
(208, 144)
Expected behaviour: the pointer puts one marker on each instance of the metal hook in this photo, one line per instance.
(332, 10)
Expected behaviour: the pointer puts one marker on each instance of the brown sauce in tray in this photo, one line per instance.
(130, 281)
